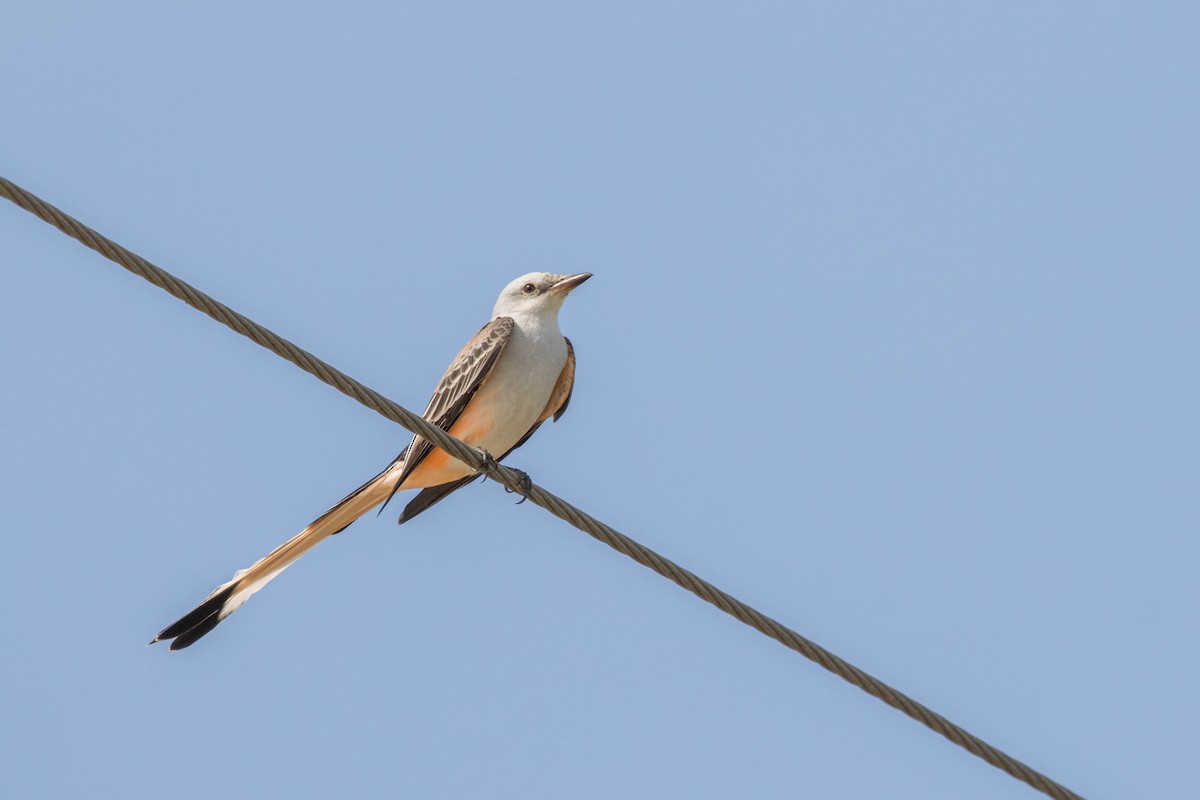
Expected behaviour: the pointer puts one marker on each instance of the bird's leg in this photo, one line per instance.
(526, 485)
(490, 465)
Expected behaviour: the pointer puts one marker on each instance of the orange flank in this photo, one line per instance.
(439, 467)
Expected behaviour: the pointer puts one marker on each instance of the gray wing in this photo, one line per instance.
(560, 396)
(456, 388)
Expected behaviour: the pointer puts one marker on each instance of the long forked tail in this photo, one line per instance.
(229, 597)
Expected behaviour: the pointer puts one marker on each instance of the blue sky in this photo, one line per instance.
(893, 335)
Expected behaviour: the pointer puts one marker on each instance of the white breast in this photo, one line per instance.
(520, 384)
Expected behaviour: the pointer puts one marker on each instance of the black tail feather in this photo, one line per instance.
(427, 497)
(197, 622)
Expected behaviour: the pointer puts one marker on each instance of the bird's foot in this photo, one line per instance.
(525, 485)
(491, 465)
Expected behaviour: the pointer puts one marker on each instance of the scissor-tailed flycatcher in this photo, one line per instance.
(512, 376)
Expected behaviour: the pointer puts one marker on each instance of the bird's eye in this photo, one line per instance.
(529, 288)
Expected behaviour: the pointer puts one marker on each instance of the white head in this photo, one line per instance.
(536, 295)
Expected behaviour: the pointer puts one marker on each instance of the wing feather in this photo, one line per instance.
(561, 396)
(456, 388)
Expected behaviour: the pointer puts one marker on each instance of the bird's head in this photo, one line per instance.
(536, 294)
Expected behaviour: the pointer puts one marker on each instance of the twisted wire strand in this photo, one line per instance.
(513, 479)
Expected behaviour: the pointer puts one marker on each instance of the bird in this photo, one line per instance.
(514, 374)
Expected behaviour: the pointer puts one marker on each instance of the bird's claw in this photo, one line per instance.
(490, 465)
(526, 485)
